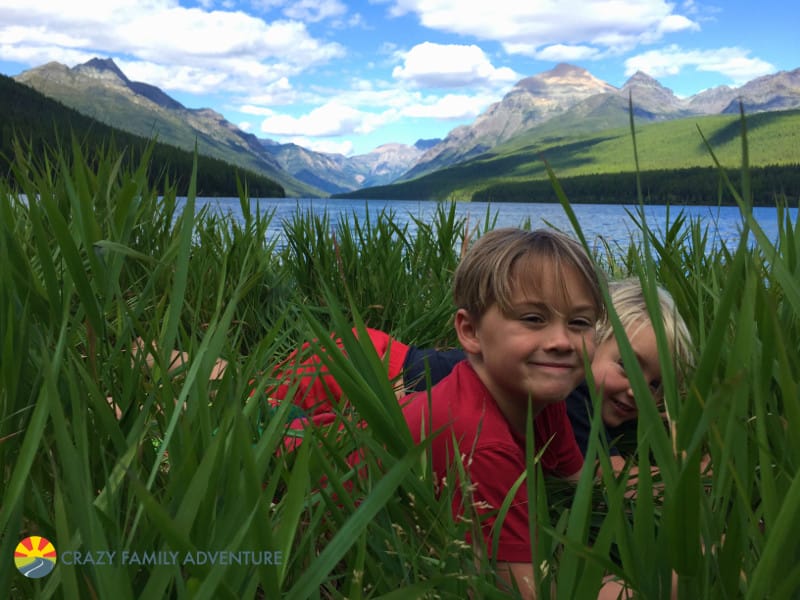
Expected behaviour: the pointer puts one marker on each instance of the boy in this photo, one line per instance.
(527, 306)
(619, 407)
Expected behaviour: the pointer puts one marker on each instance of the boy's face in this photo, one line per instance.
(537, 349)
(610, 376)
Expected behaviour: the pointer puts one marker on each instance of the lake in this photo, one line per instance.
(611, 221)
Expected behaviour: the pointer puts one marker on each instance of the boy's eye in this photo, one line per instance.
(655, 385)
(582, 323)
(532, 318)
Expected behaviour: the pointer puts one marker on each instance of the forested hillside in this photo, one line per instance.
(38, 122)
(674, 163)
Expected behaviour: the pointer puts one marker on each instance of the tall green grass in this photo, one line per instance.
(94, 257)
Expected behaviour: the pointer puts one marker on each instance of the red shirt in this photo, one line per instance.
(316, 391)
(493, 454)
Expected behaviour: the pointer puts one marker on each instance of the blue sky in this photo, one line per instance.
(346, 77)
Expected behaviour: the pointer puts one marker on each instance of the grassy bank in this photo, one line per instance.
(596, 167)
(98, 257)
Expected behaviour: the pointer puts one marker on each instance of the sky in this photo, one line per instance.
(346, 77)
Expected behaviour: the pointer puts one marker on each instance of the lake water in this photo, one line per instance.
(610, 221)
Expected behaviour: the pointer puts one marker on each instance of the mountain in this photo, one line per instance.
(651, 96)
(531, 101)
(711, 101)
(38, 122)
(768, 93)
(336, 173)
(570, 100)
(100, 90)
(611, 109)
(387, 162)
(673, 161)
(564, 101)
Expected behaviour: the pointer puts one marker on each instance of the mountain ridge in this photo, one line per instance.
(100, 90)
(587, 104)
(566, 98)
(32, 122)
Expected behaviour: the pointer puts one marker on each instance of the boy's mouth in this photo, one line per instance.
(622, 408)
(553, 364)
(554, 367)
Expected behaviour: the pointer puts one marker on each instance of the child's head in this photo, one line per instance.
(527, 306)
(503, 260)
(609, 373)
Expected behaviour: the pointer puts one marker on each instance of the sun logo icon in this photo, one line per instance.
(35, 557)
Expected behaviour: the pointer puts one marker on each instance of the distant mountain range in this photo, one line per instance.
(565, 99)
(569, 99)
(99, 89)
(336, 173)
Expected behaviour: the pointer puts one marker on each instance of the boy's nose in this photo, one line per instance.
(559, 338)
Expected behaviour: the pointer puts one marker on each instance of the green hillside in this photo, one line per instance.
(600, 166)
(146, 111)
(39, 121)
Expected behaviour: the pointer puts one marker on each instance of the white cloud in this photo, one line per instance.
(258, 111)
(450, 65)
(525, 27)
(449, 107)
(38, 55)
(15, 35)
(734, 63)
(310, 11)
(344, 147)
(674, 23)
(363, 111)
(193, 36)
(330, 119)
(359, 93)
(173, 47)
(174, 77)
(355, 20)
(565, 53)
(277, 93)
(245, 126)
(315, 10)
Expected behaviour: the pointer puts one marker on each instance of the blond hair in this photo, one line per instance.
(627, 298)
(502, 259)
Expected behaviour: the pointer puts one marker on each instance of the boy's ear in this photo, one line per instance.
(467, 332)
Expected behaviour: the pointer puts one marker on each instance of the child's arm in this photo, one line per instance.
(522, 574)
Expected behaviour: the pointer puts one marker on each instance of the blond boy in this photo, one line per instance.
(527, 306)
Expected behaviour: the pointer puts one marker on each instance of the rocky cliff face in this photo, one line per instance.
(386, 163)
(649, 95)
(771, 92)
(531, 101)
(336, 173)
(711, 101)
